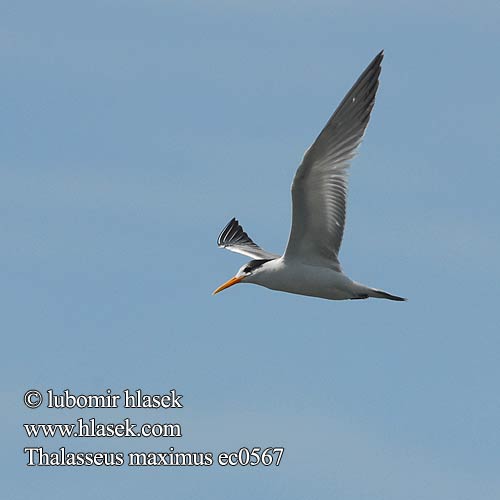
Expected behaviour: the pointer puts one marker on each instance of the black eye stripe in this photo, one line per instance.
(254, 264)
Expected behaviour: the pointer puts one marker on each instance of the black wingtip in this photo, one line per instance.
(233, 234)
(378, 58)
(375, 64)
(227, 229)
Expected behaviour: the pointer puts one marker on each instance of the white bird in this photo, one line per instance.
(310, 264)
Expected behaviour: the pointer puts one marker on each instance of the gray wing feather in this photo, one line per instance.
(319, 188)
(233, 238)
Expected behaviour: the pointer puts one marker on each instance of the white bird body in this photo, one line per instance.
(310, 265)
(304, 279)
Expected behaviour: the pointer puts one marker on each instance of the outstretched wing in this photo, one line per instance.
(235, 239)
(319, 188)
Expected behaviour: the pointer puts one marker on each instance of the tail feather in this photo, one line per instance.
(380, 294)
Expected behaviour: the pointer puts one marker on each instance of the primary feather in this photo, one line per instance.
(319, 188)
(233, 238)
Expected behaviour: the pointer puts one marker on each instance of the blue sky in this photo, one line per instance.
(133, 131)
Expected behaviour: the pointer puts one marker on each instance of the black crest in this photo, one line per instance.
(255, 264)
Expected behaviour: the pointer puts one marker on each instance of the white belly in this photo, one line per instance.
(304, 279)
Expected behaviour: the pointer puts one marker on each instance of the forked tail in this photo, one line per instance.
(380, 294)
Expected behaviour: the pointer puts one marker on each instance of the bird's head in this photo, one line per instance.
(246, 273)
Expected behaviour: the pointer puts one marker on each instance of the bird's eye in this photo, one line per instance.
(247, 269)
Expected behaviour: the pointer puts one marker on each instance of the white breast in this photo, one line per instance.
(295, 277)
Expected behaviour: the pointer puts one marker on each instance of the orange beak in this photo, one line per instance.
(228, 283)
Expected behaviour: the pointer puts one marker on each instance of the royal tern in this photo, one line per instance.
(310, 264)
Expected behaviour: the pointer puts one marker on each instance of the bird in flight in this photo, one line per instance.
(310, 264)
